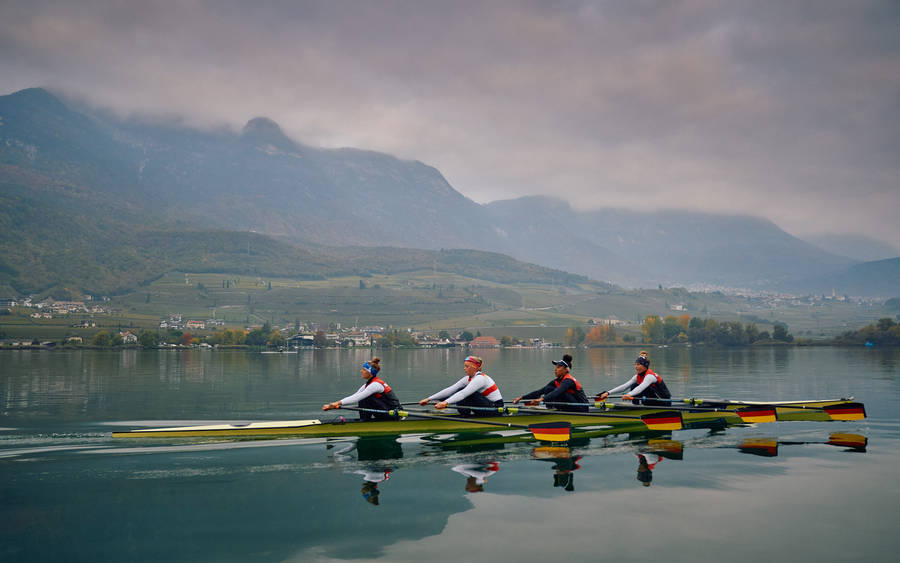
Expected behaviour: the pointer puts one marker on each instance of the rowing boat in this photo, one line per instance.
(626, 422)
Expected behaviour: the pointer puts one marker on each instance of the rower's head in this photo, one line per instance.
(641, 364)
(563, 366)
(472, 364)
(371, 368)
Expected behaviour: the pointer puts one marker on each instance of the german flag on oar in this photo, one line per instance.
(847, 411)
(551, 431)
(666, 420)
(757, 414)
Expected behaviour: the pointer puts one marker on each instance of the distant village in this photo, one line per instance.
(176, 330)
(304, 335)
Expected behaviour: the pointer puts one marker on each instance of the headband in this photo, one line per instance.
(370, 368)
(473, 360)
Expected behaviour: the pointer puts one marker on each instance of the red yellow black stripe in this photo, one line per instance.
(552, 431)
(847, 411)
(757, 414)
(668, 420)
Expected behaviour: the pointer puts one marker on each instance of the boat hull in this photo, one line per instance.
(619, 418)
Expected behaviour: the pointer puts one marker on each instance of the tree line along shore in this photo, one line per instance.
(654, 330)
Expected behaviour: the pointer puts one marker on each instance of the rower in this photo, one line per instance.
(563, 388)
(475, 389)
(645, 387)
(374, 394)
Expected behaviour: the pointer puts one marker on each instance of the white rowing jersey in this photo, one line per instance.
(363, 392)
(478, 383)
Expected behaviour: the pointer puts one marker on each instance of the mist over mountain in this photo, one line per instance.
(131, 175)
(857, 247)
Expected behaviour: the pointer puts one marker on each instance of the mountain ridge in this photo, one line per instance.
(260, 180)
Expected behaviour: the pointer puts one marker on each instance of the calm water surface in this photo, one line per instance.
(69, 492)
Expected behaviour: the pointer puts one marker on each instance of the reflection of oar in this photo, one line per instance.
(768, 447)
(842, 411)
(854, 442)
(654, 421)
(765, 447)
(747, 414)
(672, 449)
(547, 431)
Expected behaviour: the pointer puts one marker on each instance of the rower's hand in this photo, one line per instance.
(329, 406)
(627, 397)
(442, 405)
(602, 396)
(516, 400)
(424, 402)
(533, 403)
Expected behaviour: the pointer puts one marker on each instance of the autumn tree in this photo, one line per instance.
(652, 329)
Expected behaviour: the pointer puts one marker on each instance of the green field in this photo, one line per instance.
(432, 301)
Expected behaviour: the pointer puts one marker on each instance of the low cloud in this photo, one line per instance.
(784, 111)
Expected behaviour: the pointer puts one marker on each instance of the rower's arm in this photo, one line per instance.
(461, 384)
(364, 391)
(540, 392)
(478, 383)
(551, 393)
(648, 381)
(624, 386)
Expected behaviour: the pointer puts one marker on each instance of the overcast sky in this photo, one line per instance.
(784, 109)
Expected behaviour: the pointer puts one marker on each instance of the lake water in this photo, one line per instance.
(69, 492)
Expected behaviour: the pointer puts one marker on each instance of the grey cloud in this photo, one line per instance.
(787, 110)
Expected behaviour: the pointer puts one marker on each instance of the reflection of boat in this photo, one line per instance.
(618, 418)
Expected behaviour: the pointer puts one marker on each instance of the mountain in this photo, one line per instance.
(257, 179)
(661, 247)
(63, 240)
(111, 179)
(878, 278)
(857, 247)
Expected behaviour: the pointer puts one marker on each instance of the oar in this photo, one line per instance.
(546, 431)
(653, 421)
(747, 414)
(843, 411)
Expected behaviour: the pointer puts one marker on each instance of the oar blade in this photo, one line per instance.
(552, 431)
(665, 420)
(757, 414)
(847, 411)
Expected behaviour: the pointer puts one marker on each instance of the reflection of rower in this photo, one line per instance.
(371, 479)
(645, 469)
(476, 474)
(565, 464)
